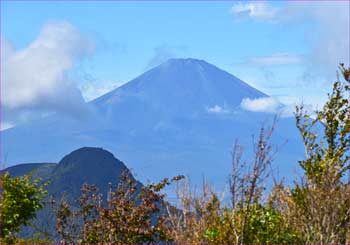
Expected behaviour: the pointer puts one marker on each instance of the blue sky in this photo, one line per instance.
(289, 50)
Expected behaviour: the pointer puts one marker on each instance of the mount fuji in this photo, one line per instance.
(181, 117)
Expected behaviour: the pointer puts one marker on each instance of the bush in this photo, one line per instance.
(131, 215)
(21, 198)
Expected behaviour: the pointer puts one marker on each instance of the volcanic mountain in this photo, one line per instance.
(181, 117)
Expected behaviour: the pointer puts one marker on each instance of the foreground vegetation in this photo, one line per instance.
(315, 210)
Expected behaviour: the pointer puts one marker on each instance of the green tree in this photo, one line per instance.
(21, 197)
(320, 204)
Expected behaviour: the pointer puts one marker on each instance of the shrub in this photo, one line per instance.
(21, 198)
(131, 215)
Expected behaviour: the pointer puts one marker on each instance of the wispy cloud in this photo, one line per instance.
(275, 59)
(217, 109)
(93, 90)
(331, 45)
(254, 10)
(35, 79)
(164, 52)
(328, 40)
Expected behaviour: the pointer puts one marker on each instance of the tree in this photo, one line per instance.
(203, 218)
(130, 215)
(21, 197)
(318, 206)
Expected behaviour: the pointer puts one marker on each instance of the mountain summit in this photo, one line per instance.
(181, 87)
(180, 117)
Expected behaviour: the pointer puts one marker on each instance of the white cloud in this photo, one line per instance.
(276, 59)
(217, 109)
(254, 10)
(265, 104)
(36, 78)
(274, 105)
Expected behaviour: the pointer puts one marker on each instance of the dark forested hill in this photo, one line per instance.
(88, 165)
